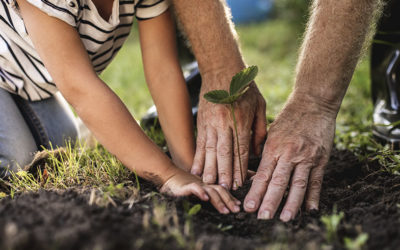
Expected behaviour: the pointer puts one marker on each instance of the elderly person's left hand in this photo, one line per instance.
(295, 154)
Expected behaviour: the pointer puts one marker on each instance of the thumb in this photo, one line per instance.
(259, 126)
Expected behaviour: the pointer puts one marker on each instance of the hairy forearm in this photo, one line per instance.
(333, 41)
(212, 36)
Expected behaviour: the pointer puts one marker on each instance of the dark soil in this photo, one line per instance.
(368, 196)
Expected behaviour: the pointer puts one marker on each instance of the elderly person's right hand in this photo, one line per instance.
(217, 157)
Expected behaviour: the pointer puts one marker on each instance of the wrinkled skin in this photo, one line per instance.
(295, 154)
(216, 149)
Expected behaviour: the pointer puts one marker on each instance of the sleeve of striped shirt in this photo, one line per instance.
(65, 10)
(146, 9)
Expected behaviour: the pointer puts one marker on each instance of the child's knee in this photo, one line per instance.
(15, 159)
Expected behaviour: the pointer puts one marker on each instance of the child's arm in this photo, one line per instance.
(66, 59)
(167, 86)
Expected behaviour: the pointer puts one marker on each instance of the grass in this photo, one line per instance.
(273, 47)
(73, 167)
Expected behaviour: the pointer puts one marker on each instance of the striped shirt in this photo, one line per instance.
(22, 72)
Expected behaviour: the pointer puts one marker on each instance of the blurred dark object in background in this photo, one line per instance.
(385, 73)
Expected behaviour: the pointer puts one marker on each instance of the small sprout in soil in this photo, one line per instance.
(190, 211)
(331, 223)
(2, 195)
(357, 243)
(194, 210)
(240, 83)
(224, 228)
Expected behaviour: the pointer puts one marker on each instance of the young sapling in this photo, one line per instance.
(239, 85)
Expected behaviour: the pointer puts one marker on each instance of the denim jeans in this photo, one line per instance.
(26, 127)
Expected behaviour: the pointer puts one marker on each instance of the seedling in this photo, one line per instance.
(357, 243)
(239, 85)
(331, 223)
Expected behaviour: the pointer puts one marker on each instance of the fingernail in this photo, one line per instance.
(250, 204)
(265, 215)
(237, 202)
(313, 207)
(208, 178)
(286, 216)
(224, 186)
(236, 209)
(206, 197)
(234, 186)
(225, 210)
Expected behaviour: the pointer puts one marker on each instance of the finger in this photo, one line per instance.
(224, 158)
(198, 161)
(314, 187)
(250, 174)
(240, 163)
(216, 200)
(259, 127)
(276, 189)
(230, 201)
(198, 191)
(260, 183)
(210, 167)
(297, 192)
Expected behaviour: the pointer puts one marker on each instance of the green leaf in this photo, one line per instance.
(194, 210)
(216, 96)
(236, 96)
(242, 79)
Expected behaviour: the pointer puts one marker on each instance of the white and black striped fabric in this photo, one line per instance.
(21, 69)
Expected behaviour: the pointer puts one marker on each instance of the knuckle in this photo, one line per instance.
(244, 149)
(300, 183)
(200, 142)
(262, 176)
(279, 180)
(220, 111)
(224, 150)
(210, 148)
(316, 184)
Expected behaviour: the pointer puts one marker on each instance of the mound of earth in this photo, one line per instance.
(67, 219)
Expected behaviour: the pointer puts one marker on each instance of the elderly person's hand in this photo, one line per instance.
(295, 154)
(300, 140)
(216, 150)
(213, 40)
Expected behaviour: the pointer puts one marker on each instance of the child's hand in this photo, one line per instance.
(185, 184)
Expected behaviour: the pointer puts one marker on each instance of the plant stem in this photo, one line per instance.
(237, 141)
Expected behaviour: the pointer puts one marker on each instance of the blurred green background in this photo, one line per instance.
(272, 45)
